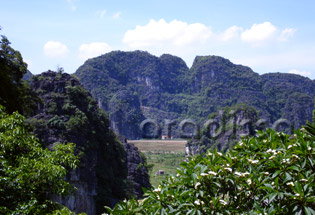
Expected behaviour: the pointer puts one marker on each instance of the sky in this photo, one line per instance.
(266, 35)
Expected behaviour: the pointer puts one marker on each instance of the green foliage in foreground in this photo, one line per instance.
(272, 173)
(29, 174)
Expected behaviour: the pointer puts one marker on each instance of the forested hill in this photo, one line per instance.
(132, 86)
(67, 113)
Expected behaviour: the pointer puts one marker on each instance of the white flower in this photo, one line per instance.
(265, 141)
(249, 181)
(157, 190)
(197, 202)
(304, 180)
(197, 185)
(272, 151)
(228, 169)
(290, 184)
(223, 202)
(272, 157)
(253, 161)
(297, 194)
(273, 183)
(241, 143)
(209, 154)
(204, 174)
(219, 153)
(246, 173)
(290, 146)
(212, 173)
(309, 148)
(295, 156)
(269, 151)
(266, 173)
(238, 173)
(285, 161)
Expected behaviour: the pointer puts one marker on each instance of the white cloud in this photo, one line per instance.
(72, 5)
(55, 49)
(102, 13)
(259, 34)
(116, 15)
(286, 34)
(298, 72)
(93, 50)
(230, 33)
(175, 33)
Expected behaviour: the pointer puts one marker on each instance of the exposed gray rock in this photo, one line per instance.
(137, 171)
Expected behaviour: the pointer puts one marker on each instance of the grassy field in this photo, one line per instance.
(163, 154)
(160, 145)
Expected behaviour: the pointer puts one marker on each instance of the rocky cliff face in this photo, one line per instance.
(68, 113)
(125, 112)
(137, 171)
(128, 82)
(165, 88)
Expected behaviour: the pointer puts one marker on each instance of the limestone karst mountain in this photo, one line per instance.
(133, 86)
(68, 113)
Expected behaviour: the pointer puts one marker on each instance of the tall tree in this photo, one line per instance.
(30, 174)
(15, 94)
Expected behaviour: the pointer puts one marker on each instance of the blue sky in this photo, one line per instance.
(268, 36)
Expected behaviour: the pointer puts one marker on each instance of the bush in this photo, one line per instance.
(77, 122)
(272, 173)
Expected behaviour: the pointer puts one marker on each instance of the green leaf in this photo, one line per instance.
(272, 196)
(298, 187)
(309, 211)
(294, 168)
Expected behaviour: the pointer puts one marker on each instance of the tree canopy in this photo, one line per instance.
(29, 174)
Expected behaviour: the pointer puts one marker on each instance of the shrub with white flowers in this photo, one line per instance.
(271, 173)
